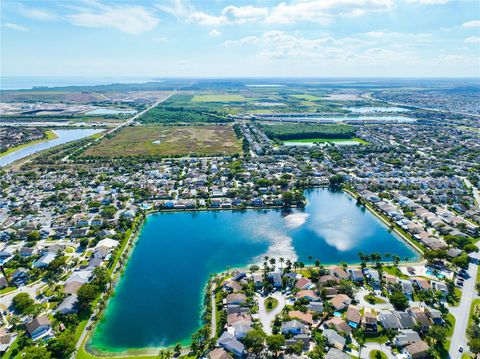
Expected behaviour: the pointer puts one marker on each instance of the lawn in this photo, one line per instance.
(376, 300)
(218, 98)
(327, 140)
(164, 141)
(377, 354)
(307, 97)
(270, 304)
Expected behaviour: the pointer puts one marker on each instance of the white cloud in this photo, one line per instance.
(178, 8)
(230, 15)
(131, 19)
(473, 40)
(34, 13)
(471, 24)
(17, 27)
(214, 33)
(324, 11)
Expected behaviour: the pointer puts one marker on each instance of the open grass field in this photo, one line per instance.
(164, 141)
(218, 98)
(327, 140)
(307, 97)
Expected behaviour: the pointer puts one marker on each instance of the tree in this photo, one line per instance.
(33, 236)
(177, 350)
(275, 343)
(474, 345)
(254, 341)
(22, 303)
(336, 180)
(62, 346)
(398, 300)
(86, 295)
(37, 353)
(437, 335)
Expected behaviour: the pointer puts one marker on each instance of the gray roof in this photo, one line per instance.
(333, 337)
(334, 353)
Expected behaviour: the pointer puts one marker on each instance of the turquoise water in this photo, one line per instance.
(158, 300)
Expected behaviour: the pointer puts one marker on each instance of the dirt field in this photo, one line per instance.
(168, 141)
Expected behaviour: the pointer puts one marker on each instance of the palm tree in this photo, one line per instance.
(310, 258)
(317, 263)
(281, 259)
(272, 262)
(295, 265)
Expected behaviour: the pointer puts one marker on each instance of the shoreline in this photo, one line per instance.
(51, 135)
(130, 245)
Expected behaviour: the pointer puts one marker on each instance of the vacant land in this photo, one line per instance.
(161, 141)
(218, 98)
(327, 140)
(307, 131)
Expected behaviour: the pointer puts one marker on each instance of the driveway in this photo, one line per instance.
(266, 318)
(462, 312)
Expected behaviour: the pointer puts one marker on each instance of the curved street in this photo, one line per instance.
(266, 318)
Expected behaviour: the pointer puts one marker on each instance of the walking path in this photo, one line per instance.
(370, 346)
(213, 324)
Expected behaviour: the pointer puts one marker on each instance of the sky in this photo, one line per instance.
(248, 38)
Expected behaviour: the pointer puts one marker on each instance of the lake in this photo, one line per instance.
(64, 136)
(158, 299)
(109, 111)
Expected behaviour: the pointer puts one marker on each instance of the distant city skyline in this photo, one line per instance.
(227, 38)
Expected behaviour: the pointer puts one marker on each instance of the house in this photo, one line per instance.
(303, 338)
(388, 320)
(305, 318)
(303, 283)
(6, 340)
(407, 287)
(334, 353)
(373, 277)
(334, 339)
(315, 307)
(356, 275)
(68, 305)
(20, 276)
(219, 353)
(236, 298)
(435, 316)
(44, 261)
(3, 281)
(353, 316)
(39, 328)
(239, 318)
(369, 320)
(405, 320)
(72, 287)
(293, 327)
(340, 301)
(241, 330)
(339, 324)
(421, 318)
(338, 272)
(406, 337)
(228, 342)
(308, 294)
(417, 350)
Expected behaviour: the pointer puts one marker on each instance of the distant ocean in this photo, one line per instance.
(26, 82)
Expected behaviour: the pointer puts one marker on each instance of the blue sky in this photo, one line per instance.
(227, 38)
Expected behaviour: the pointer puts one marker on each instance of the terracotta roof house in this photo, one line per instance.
(303, 283)
(236, 298)
(339, 324)
(219, 353)
(309, 294)
(353, 315)
(417, 350)
(340, 301)
(305, 318)
(235, 318)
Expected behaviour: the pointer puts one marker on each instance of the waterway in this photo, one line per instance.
(158, 300)
(63, 136)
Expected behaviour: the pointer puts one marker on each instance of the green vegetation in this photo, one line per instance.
(218, 98)
(160, 141)
(370, 298)
(287, 132)
(377, 354)
(327, 140)
(270, 304)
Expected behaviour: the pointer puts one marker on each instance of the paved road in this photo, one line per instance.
(31, 289)
(476, 192)
(462, 312)
(369, 347)
(266, 318)
(363, 292)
